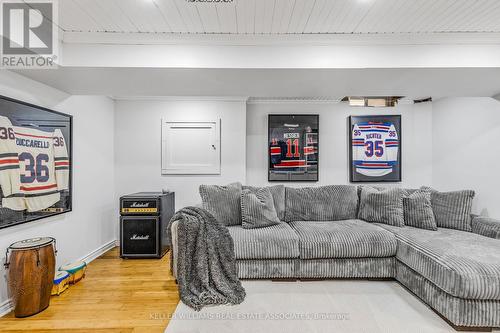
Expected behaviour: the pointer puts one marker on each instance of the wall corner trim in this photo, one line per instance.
(182, 98)
(294, 100)
(7, 305)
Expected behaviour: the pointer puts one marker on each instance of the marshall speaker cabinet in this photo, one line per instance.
(143, 224)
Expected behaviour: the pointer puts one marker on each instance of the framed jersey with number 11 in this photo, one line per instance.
(293, 147)
(375, 148)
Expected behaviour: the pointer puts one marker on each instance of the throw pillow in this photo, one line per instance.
(324, 203)
(418, 210)
(278, 193)
(223, 202)
(257, 209)
(382, 206)
(452, 209)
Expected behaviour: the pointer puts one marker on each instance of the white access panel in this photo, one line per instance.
(190, 148)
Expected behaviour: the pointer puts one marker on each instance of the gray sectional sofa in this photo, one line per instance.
(456, 272)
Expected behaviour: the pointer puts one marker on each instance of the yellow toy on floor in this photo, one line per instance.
(61, 283)
(76, 271)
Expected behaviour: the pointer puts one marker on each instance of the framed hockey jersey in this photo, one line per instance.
(293, 147)
(375, 148)
(35, 162)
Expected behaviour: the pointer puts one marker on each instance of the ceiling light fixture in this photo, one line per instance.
(356, 101)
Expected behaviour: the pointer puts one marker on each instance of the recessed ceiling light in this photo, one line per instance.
(372, 101)
(356, 101)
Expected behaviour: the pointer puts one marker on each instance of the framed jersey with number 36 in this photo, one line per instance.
(35, 162)
(375, 148)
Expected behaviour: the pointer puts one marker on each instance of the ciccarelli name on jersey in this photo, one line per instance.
(32, 143)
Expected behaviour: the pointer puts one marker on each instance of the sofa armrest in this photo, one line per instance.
(486, 226)
(173, 230)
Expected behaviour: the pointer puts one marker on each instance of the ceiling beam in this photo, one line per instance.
(332, 84)
(131, 38)
(280, 56)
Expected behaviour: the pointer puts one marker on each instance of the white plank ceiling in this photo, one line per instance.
(280, 16)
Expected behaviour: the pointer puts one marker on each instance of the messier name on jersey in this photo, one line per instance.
(32, 143)
(291, 135)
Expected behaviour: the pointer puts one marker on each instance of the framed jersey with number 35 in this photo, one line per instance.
(375, 148)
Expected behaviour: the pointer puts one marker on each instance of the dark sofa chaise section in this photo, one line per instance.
(455, 272)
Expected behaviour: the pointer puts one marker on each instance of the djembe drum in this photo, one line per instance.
(31, 273)
(75, 270)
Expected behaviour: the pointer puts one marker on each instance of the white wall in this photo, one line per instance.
(466, 154)
(138, 144)
(334, 156)
(93, 221)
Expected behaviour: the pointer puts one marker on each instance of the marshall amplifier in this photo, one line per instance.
(143, 224)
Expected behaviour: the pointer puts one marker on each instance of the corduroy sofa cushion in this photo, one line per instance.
(257, 209)
(324, 203)
(223, 202)
(418, 212)
(382, 206)
(275, 242)
(452, 209)
(343, 239)
(460, 263)
(278, 193)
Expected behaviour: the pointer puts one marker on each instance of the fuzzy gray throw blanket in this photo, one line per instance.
(206, 265)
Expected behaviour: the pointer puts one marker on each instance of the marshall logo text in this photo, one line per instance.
(139, 205)
(139, 237)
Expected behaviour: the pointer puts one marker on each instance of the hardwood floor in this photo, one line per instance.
(117, 295)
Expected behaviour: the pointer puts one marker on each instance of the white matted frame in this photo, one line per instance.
(190, 147)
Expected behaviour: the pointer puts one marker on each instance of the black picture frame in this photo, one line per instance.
(9, 106)
(355, 166)
(307, 129)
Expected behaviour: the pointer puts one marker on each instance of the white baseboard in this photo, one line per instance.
(7, 307)
(99, 251)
